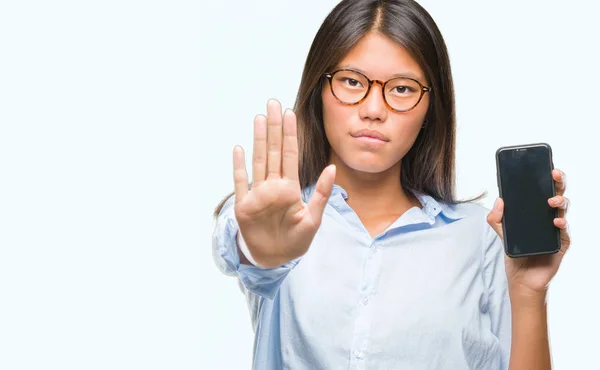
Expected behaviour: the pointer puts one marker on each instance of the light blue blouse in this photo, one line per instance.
(430, 292)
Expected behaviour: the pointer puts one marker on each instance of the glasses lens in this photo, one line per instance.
(349, 87)
(402, 93)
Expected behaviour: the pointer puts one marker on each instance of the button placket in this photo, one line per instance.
(364, 312)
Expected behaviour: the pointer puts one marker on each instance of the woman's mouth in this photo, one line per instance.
(370, 137)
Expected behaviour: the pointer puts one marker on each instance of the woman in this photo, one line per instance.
(350, 246)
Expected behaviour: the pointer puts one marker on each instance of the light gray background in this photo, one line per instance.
(118, 120)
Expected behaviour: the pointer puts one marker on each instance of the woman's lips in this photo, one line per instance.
(370, 140)
(370, 136)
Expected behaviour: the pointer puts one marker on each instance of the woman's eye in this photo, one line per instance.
(402, 89)
(352, 82)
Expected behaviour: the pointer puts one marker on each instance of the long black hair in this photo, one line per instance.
(428, 167)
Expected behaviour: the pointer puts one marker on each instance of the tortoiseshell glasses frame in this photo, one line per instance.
(422, 89)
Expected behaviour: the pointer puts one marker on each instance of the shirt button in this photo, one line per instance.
(358, 354)
(365, 301)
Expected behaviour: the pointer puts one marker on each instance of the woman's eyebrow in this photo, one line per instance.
(403, 74)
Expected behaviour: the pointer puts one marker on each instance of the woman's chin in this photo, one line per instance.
(368, 166)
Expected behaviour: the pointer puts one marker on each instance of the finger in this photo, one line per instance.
(560, 222)
(560, 202)
(494, 218)
(240, 176)
(319, 199)
(259, 154)
(560, 180)
(273, 138)
(290, 146)
(565, 234)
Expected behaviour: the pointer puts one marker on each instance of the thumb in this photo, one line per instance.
(323, 189)
(494, 218)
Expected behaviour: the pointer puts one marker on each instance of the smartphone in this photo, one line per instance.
(525, 184)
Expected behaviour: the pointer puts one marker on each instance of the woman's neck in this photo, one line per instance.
(374, 195)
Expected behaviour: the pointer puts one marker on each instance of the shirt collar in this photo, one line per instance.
(430, 206)
(337, 190)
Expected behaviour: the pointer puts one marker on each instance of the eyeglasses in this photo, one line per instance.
(400, 94)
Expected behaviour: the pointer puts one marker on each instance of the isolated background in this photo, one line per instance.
(117, 124)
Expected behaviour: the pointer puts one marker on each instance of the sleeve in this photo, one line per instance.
(494, 274)
(264, 282)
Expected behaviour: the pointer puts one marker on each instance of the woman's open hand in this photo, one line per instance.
(275, 223)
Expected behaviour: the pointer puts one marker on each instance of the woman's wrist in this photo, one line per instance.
(523, 296)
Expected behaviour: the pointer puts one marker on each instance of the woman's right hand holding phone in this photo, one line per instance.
(276, 225)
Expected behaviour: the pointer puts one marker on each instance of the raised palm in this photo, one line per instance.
(275, 223)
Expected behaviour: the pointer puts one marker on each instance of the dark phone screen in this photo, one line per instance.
(526, 184)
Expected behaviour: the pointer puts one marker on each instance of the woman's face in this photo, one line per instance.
(379, 58)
